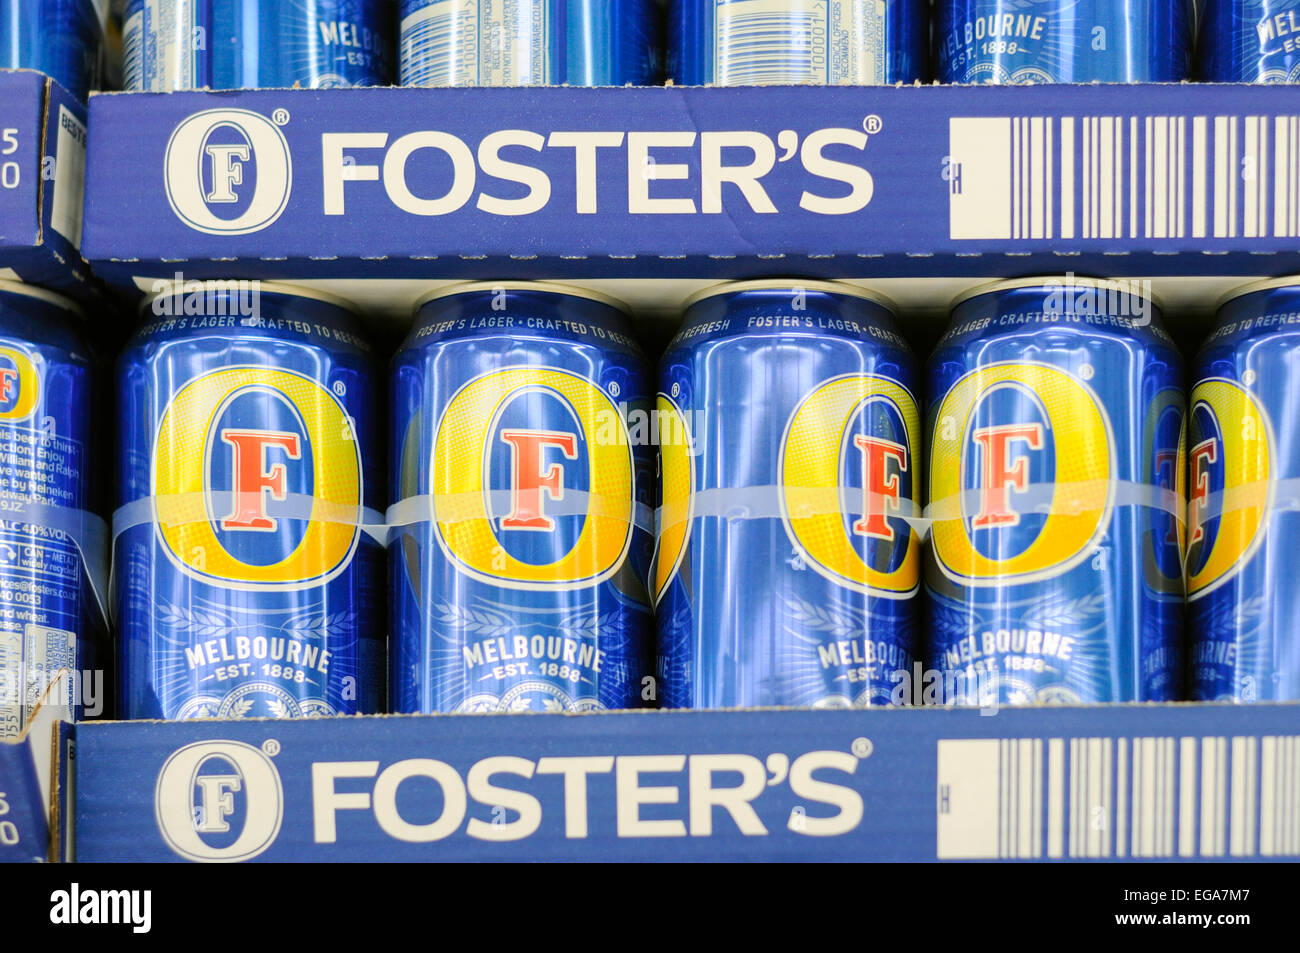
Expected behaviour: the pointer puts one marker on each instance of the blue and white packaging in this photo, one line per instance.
(1181, 783)
(649, 193)
(42, 174)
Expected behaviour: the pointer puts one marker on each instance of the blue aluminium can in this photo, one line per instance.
(529, 42)
(523, 471)
(1250, 41)
(767, 42)
(51, 542)
(786, 569)
(245, 585)
(1063, 41)
(1243, 514)
(61, 38)
(256, 44)
(1055, 425)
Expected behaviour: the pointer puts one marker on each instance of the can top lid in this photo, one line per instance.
(550, 287)
(762, 284)
(1268, 284)
(49, 297)
(1062, 280)
(188, 286)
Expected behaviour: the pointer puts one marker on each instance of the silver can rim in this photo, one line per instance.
(550, 287)
(1254, 287)
(286, 288)
(1037, 281)
(814, 284)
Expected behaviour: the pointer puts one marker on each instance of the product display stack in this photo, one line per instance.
(748, 429)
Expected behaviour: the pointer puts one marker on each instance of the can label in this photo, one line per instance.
(61, 38)
(247, 586)
(523, 534)
(161, 45)
(1047, 41)
(787, 566)
(46, 602)
(800, 41)
(475, 43)
(1242, 507)
(1055, 492)
(189, 44)
(1251, 41)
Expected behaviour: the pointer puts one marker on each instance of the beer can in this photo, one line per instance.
(1055, 41)
(529, 42)
(1243, 513)
(256, 44)
(1055, 488)
(773, 42)
(246, 582)
(1250, 41)
(52, 542)
(787, 563)
(63, 39)
(522, 475)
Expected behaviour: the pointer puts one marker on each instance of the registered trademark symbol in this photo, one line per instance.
(1248, 378)
(873, 124)
(614, 389)
(272, 747)
(280, 117)
(339, 388)
(677, 389)
(862, 747)
(1087, 372)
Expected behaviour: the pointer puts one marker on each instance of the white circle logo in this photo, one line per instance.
(228, 159)
(207, 789)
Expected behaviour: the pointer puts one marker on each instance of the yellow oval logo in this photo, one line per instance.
(20, 384)
(677, 493)
(529, 462)
(1229, 475)
(847, 477)
(257, 480)
(1020, 475)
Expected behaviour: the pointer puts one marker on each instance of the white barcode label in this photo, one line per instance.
(758, 42)
(69, 177)
(1028, 798)
(133, 52)
(476, 43)
(160, 44)
(11, 685)
(28, 663)
(1112, 177)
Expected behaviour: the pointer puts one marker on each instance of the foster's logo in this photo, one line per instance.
(228, 171)
(257, 480)
(677, 496)
(530, 491)
(847, 476)
(219, 801)
(1164, 454)
(20, 384)
(1229, 473)
(1021, 475)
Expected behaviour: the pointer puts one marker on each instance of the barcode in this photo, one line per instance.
(426, 45)
(133, 53)
(1030, 798)
(761, 42)
(476, 42)
(1152, 177)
